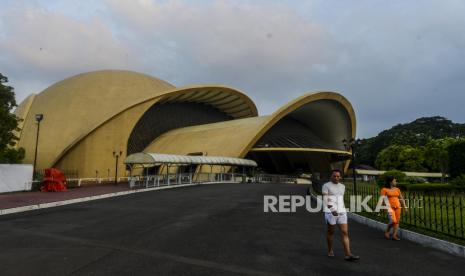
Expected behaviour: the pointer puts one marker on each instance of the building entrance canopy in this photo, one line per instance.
(152, 159)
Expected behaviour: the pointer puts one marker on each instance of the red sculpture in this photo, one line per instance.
(54, 181)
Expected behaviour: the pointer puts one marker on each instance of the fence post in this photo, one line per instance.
(453, 210)
(461, 215)
(447, 214)
(435, 212)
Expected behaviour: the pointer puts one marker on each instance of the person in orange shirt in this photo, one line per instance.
(395, 199)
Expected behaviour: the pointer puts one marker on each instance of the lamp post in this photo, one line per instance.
(116, 155)
(39, 118)
(352, 145)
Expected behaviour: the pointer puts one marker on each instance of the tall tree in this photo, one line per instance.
(457, 158)
(416, 134)
(437, 154)
(9, 123)
(401, 157)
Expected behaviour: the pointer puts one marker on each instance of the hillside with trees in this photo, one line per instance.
(407, 138)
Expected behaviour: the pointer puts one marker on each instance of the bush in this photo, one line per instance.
(400, 176)
(36, 185)
(403, 186)
(457, 158)
(430, 187)
(459, 181)
(415, 180)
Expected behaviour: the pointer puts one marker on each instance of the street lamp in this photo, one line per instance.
(352, 145)
(116, 155)
(39, 118)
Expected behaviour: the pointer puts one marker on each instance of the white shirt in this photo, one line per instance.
(335, 197)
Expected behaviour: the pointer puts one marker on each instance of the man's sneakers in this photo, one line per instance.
(352, 258)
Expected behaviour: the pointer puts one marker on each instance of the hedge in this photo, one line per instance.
(430, 187)
(457, 159)
(398, 175)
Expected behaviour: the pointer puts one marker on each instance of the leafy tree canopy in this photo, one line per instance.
(398, 175)
(9, 123)
(416, 134)
(437, 154)
(457, 158)
(401, 157)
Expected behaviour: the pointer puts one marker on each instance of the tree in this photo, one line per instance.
(416, 134)
(398, 175)
(437, 155)
(9, 123)
(401, 157)
(457, 158)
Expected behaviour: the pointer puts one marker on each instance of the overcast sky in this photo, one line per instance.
(393, 60)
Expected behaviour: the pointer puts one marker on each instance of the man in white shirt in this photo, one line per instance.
(335, 213)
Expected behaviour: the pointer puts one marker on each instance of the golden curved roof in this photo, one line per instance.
(21, 112)
(231, 101)
(236, 138)
(78, 105)
(322, 117)
(228, 100)
(74, 106)
(221, 139)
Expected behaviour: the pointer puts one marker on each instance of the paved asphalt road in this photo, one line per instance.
(202, 230)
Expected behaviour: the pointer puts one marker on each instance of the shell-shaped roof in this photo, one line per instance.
(22, 112)
(76, 106)
(329, 112)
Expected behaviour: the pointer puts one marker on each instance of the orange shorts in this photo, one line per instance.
(394, 215)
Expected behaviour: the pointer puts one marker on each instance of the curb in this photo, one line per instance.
(90, 198)
(445, 246)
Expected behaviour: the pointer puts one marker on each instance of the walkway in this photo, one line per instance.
(18, 199)
(203, 230)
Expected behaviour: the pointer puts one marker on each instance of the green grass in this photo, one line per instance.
(436, 213)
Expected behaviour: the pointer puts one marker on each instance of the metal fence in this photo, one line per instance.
(273, 178)
(159, 180)
(433, 211)
(148, 181)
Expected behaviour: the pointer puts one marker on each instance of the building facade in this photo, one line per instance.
(90, 118)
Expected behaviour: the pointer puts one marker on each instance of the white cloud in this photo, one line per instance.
(46, 44)
(239, 44)
(392, 61)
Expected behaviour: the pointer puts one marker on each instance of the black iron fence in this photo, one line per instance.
(440, 212)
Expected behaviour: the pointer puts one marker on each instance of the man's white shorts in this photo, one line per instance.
(341, 218)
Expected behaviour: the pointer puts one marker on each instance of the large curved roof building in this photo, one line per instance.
(90, 116)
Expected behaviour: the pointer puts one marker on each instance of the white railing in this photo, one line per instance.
(150, 181)
(93, 180)
(274, 178)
